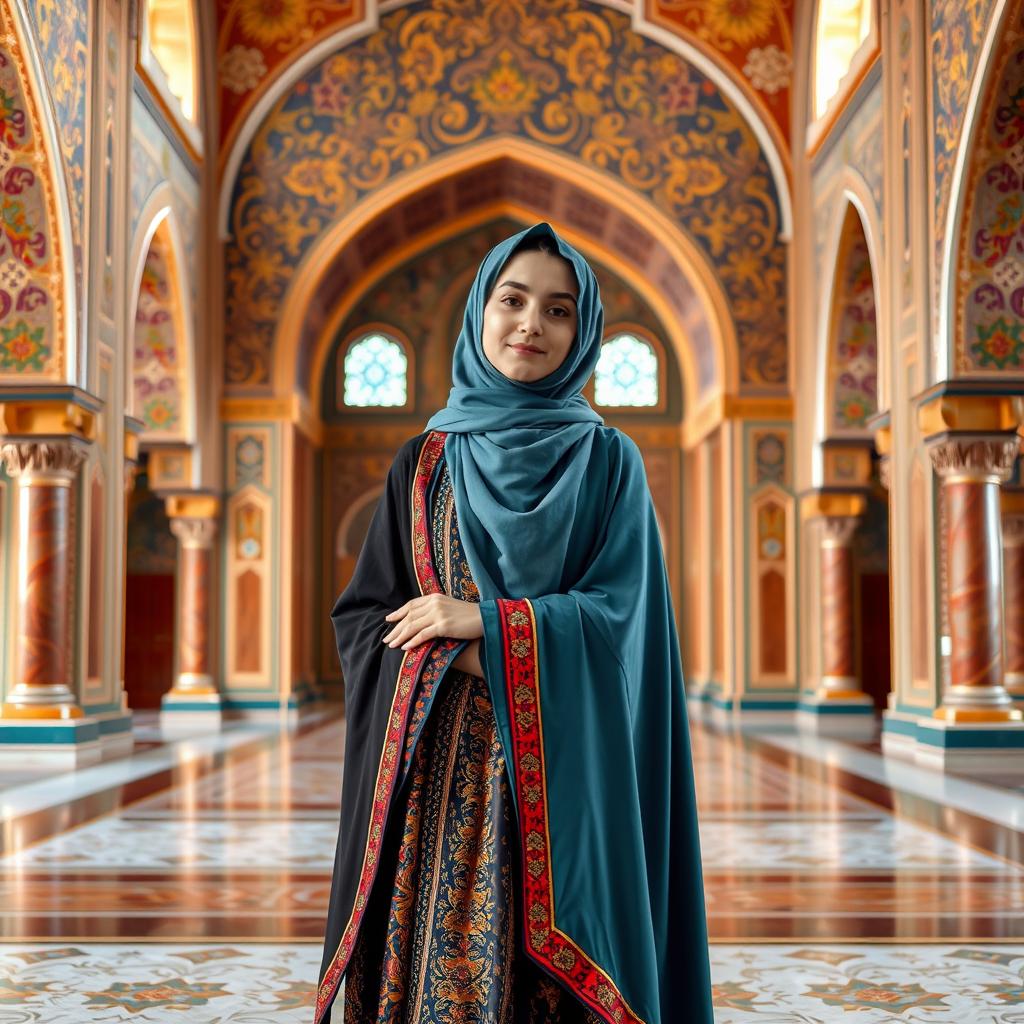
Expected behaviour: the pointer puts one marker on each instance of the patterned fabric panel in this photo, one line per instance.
(442, 939)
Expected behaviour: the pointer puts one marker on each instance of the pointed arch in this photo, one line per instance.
(702, 332)
(951, 231)
(161, 386)
(851, 346)
(981, 308)
(738, 92)
(318, 155)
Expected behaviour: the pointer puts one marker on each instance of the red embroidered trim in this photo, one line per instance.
(412, 662)
(545, 942)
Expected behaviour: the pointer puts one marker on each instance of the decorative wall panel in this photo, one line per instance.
(441, 75)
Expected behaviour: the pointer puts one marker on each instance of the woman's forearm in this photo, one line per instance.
(469, 659)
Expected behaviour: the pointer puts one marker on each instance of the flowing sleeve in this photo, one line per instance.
(378, 683)
(587, 688)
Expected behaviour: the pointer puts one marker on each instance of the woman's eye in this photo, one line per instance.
(557, 309)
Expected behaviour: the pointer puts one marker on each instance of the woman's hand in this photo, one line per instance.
(433, 615)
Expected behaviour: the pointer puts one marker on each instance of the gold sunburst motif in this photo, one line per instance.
(268, 21)
(740, 21)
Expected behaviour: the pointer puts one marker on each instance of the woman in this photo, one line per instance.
(518, 838)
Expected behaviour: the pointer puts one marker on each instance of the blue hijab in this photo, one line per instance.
(582, 663)
(520, 448)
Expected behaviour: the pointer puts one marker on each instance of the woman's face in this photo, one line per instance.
(530, 317)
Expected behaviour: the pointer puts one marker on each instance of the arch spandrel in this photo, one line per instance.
(364, 117)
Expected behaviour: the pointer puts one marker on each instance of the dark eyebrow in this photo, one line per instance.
(523, 288)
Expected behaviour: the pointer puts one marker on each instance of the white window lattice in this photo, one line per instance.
(376, 372)
(627, 373)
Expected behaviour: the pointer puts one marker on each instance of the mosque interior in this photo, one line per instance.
(236, 242)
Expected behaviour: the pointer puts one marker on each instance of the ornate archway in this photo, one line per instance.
(479, 184)
(161, 389)
(628, 114)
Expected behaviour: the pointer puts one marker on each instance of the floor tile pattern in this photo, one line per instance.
(259, 984)
(191, 882)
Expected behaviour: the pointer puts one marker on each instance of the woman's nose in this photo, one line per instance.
(529, 323)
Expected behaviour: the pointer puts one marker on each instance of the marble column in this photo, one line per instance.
(839, 674)
(971, 468)
(44, 471)
(193, 627)
(1013, 592)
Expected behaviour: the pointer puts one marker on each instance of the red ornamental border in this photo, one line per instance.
(545, 942)
(412, 662)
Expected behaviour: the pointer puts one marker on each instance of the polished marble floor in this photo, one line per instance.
(189, 881)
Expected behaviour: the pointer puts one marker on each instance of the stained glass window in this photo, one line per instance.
(376, 372)
(627, 373)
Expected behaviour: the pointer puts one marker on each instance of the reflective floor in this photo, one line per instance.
(193, 878)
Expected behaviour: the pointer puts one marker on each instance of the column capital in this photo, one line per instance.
(194, 532)
(838, 531)
(55, 459)
(982, 458)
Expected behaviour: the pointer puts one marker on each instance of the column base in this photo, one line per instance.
(976, 747)
(843, 714)
(772, 712)
(116, 737)
(698, 695)
(54, 743)
(289, 711)
(185, 714)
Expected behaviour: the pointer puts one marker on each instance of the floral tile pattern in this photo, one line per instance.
(890, 843)
(260, 984)
(194, 845)
(867, 984)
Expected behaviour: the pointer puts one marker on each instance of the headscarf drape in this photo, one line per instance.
(518, 451)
